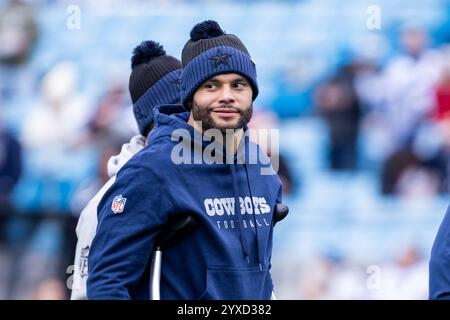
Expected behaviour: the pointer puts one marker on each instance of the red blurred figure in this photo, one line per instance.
(443, 97)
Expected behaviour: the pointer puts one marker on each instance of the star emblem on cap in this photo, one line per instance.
(220, 58)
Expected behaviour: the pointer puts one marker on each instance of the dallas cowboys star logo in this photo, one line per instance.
(220, 58)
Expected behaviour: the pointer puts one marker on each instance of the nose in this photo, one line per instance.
(226, 95)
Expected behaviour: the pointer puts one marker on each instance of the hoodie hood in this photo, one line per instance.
(168, 118)
(115, 163)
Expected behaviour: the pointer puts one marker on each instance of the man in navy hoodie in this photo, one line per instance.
(228, 255)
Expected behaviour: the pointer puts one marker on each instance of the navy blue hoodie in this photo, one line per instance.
(226, 257)
(439, 281)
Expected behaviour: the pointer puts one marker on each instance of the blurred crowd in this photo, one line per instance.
(54, 162)
(390, 117)
(402, 106)
(332, 276)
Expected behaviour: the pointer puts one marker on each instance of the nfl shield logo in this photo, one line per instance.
(118, 204)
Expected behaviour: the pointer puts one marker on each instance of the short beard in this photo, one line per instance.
(202, 114)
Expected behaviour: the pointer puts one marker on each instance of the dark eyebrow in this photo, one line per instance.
(211, 80)
(240, 79)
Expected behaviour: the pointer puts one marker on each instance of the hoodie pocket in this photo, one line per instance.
(237, 284)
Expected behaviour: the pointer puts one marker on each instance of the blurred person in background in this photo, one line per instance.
(332, 276)
(407, 175)
(403, 278)
(10, 172)
(18, 35)
(18, 32)
(336, 101)
(50, 133)
(53, 166)
(409, 82)
(57, 120)
(408, 93)
(10, 167)
(420, 166)
(112, 109)
(442, 110)
(153, 81)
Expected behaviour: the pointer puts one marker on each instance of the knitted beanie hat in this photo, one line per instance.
(210, 52)
(154, 80)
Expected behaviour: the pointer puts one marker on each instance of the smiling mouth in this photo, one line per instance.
(225, 111)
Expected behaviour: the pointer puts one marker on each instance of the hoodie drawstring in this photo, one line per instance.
(254, 218)
(244, 244)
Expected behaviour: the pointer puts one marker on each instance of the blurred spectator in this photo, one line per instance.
(18, 35)
(314, 278)
(433, 146)
(60, 118)
(393, 168)
(410, 79)
(369, 85)
(10, 166)
(443, 89)
(113, 121)
(405, 278)
(421, 167)
(285, 175)
(405, 174)
(18, 32)
(332, 276)
(55, 159)
(443, 97)
(418, 182)
(413, 165)
(339, 105)
(346, 280)
(10, 171)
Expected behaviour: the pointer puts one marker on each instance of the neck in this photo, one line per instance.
(232, 140)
